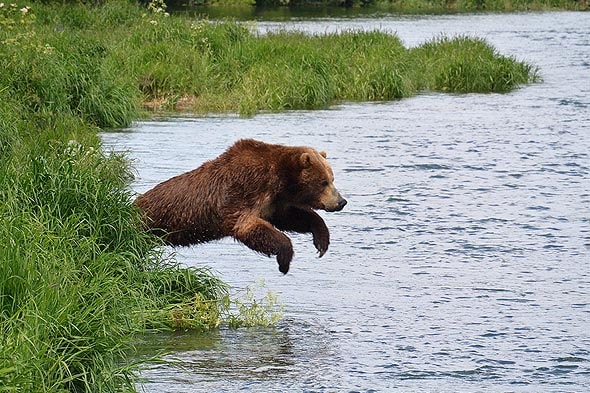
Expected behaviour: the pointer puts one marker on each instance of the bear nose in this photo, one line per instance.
(341, 203)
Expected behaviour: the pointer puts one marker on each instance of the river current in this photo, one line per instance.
(461, 262)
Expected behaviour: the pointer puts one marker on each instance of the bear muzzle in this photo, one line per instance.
(339, 205)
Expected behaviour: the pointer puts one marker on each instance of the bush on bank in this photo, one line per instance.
(78, 276)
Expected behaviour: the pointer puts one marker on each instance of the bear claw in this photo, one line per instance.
(284, 260)
(321, 246)
(284, 268)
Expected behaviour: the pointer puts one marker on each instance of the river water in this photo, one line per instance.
(461, 262)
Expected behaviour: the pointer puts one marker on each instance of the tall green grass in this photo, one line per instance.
(228, 67)
(78, 275)
(122, 55)
(467, 65)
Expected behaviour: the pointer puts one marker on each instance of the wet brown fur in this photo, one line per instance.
(251, 192)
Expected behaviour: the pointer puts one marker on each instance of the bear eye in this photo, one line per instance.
(325, 183)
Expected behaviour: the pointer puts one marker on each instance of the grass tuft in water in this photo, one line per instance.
(467, 65)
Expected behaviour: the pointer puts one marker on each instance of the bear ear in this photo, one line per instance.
(324, 154)
(305, 160)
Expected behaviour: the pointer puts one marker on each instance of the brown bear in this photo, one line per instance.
(251, 192)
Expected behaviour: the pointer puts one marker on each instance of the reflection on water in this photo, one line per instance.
(256, 357)
(273, 13)
(461, 260)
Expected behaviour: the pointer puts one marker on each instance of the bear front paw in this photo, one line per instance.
(321, 243)
(284, 258)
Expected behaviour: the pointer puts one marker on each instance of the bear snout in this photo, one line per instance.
(339, 205)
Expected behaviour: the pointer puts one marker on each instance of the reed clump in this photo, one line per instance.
(78, 275)
(467, 65)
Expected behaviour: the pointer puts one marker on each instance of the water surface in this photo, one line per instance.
(461, 260)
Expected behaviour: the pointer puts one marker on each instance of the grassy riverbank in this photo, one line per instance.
(176, 63)
(119, 56)
(78, 276)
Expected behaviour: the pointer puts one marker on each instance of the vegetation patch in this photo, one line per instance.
(207, 66)
(104, 64)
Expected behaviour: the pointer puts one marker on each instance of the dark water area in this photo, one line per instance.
(461, 262)
(274, 13)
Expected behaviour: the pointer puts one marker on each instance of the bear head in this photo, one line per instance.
(315, 183)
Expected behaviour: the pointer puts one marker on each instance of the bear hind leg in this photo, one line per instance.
(261, 236)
